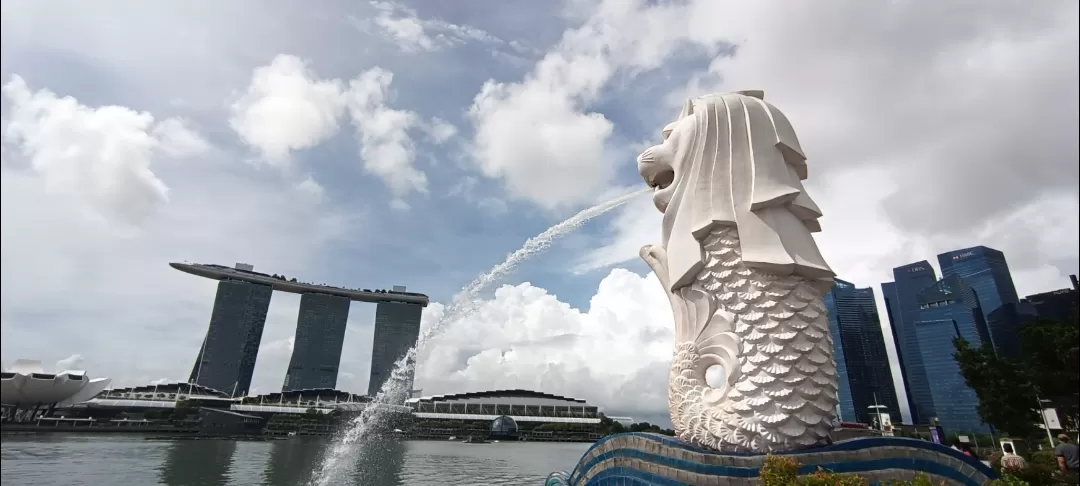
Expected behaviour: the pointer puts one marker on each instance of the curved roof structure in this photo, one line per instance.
(219, 272)
(494, 396)
(25, 384)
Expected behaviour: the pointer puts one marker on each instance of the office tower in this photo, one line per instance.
(985, 270)
(320, 332)
(846, 405)
(397, 328)
(227, 357)
(856, 328)
(909, 280)
(888, 294)
(1059, 305)
(949, 309)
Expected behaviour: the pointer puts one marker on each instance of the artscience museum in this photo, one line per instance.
(26, 387)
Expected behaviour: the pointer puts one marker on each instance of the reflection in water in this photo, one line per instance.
(197, 462)
(379, 461)
(291, 460)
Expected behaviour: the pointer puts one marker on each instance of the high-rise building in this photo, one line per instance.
(320, 332)
(947, 310)
(856, 328)
(888, 294)
(397, 328)
(846, 404)
(1059, 305)
(226, 360)
(986, 271)
(909, 280)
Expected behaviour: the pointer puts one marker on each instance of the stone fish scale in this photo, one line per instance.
(783, 395)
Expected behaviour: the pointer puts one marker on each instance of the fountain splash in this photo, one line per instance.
(394, 391)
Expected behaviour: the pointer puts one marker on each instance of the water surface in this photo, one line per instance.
(121, 460)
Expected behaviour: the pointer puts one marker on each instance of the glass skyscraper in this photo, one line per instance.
(888, 294)
(320, 333)
(908, 281)
(947, 310)
(846, 407)
(856, 332)
(1059, 305)
(226, 360)
(985, 270)
(397, 328)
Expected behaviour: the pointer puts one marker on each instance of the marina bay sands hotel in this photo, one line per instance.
(226, 359)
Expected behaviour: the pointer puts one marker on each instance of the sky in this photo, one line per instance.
(417, 143)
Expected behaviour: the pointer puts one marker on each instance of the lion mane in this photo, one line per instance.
(734, 159)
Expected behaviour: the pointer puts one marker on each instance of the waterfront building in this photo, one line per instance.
(226, 360)
(860, 345)
(397, 328)
(888, 294)
(987, 273)
(26, 385)
(320, 333)
(908, 281)
(535, 416)
(947, 310)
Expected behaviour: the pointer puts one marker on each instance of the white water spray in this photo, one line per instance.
(394, 391)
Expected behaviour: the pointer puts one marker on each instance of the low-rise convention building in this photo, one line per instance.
(504, 414)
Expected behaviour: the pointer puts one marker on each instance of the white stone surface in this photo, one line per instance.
(25, 384)
(744, 276)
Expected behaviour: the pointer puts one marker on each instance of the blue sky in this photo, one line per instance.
(416, 143)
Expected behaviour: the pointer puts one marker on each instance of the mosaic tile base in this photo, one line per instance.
(650, 459)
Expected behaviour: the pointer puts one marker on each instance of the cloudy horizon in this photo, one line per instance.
(416, 143)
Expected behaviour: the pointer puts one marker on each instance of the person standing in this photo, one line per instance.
(1068, 455)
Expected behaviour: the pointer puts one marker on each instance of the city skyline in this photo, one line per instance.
(334, 144)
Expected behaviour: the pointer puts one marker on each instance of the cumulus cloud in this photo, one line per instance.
(540, 137)
(614, 354)
(287, 108)
(386, 147)
(101, 155)
(73, 362)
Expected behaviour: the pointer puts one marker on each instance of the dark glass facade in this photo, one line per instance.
(949, 309)
(909, 280)
(888, 291)
(986, 271)
(397, 328)
(856, 327)
(1059, 305)
(846, 407)
(226, 360)
(320, 332)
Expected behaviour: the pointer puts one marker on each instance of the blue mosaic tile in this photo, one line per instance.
(860, 463)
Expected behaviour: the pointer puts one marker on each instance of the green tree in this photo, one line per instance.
(1008, 390)
(1007, 398)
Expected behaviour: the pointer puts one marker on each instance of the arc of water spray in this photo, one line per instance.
(464, 303)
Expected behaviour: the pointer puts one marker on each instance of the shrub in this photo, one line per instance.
(784, 471)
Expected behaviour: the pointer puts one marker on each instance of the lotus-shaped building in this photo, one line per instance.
(25, 384)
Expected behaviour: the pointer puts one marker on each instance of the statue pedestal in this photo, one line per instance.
(651, 459)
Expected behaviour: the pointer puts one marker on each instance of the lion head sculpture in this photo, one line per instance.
(734, 159)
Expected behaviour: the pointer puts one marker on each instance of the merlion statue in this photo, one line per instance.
(744, 276)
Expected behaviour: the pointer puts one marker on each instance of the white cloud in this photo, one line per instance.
(286, 108)
(539, 136)
(440, 130)
(386, 147)
(102, 155)
(413, 34)
(614, 354)
(73, 362)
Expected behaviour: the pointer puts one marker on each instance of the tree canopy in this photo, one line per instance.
(1009, 389)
